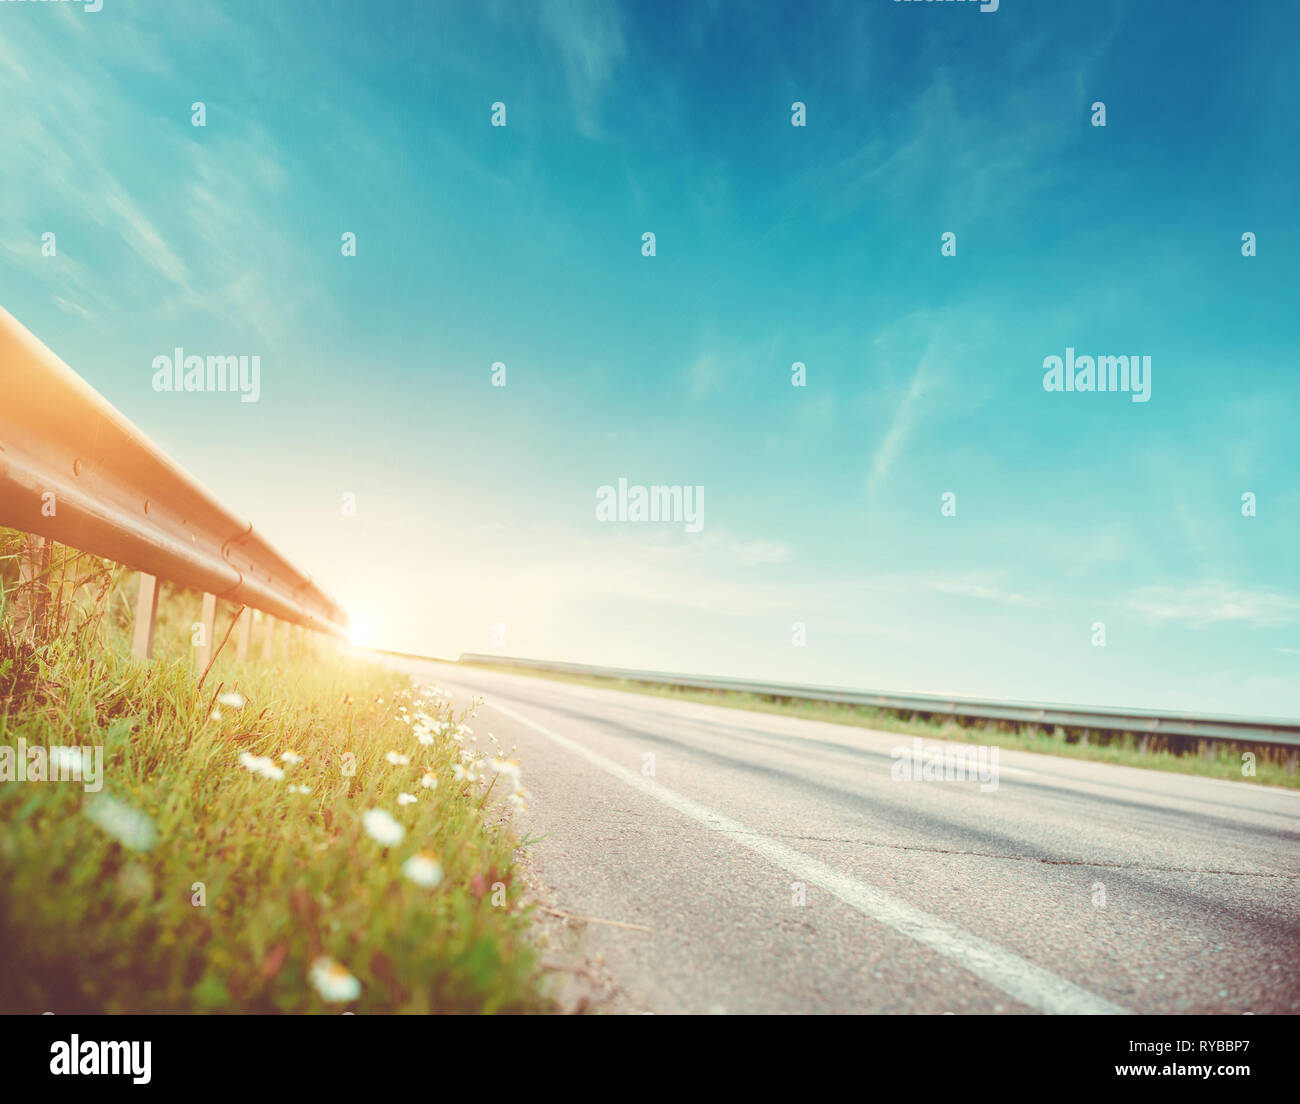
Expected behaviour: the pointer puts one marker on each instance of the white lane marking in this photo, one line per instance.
(1027, 983)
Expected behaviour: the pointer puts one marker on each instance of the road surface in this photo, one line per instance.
(779, 867)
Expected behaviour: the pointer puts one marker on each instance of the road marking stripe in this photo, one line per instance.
(1015, 976)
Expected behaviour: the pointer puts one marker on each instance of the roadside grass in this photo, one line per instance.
(1220, 760)
(194, 882)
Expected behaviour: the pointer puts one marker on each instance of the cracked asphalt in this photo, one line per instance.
(780, 868)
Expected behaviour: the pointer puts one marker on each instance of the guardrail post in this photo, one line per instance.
(209, 621)
(146, 616)
(245, 637)
(267, 636)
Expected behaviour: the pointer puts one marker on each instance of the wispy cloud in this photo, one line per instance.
(212, 246)
(1208, 603)
(906, 416)
(911, 407)
(588, 34)
(982, 587)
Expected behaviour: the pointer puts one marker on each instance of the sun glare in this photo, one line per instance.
(363, 633)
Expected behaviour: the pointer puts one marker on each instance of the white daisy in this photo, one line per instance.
(423, 869)
(429, 781)
(260, 764)
(508, 767)
(397, 759)
(232, 698)
(333, 982)
(382, 827)
(406, 799)
(130, 827)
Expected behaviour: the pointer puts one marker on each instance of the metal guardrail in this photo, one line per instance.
(1251, 730)
(74, 470)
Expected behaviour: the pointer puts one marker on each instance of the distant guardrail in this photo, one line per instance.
(74, 470)
(1251, 730)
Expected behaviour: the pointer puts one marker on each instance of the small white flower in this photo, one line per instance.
(423, 869)
(131, 828)
(291, 757)
(406, 799)
(429, 781)
(397, 759)
(508, 767)
(333, 982)
(382, 827)
(232, 698)
(300, 789)
(215, 715)
(260, 764)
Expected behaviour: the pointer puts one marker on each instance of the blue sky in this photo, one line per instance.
(775, 244)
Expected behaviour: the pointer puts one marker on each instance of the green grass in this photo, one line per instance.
(1175, 754)
(88, 923)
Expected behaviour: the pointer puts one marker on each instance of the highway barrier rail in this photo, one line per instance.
(1249, 730)
(74, 470)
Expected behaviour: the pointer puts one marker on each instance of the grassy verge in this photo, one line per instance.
(232, 860)
(1221, 760)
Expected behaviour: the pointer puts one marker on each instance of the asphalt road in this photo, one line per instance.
(1071, 887)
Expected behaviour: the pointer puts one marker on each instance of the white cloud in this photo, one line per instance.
(589, 37)
(1208, 603)
(209, 247)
